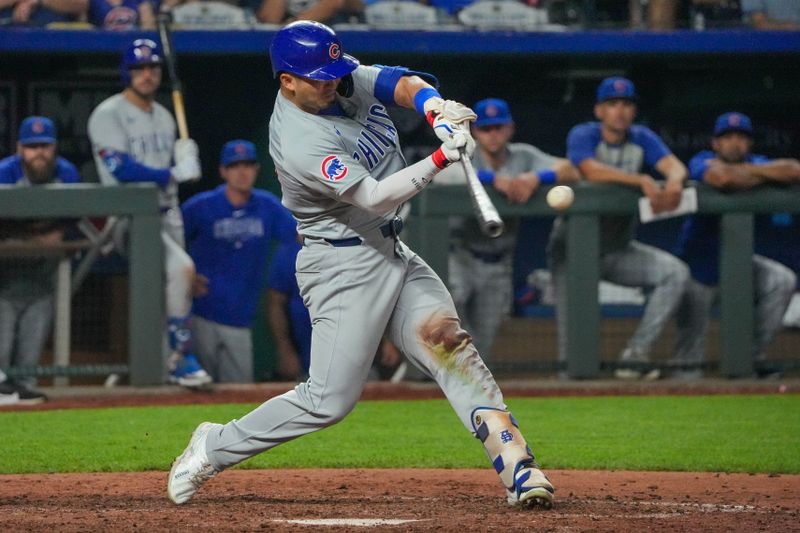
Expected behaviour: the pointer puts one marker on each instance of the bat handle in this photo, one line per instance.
(180, 114)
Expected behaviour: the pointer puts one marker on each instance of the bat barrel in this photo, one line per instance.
(493, 228)
(488, 218)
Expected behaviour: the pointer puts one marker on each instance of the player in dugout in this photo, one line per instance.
(133, 140)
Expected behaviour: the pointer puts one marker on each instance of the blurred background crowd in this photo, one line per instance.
(120, 15)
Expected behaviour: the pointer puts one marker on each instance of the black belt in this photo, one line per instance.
(390, 229)
(487, 257)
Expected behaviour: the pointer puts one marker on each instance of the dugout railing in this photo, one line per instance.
(145, 266)
(429, 233)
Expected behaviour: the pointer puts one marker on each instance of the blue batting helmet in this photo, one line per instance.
(140, 52)
(311, 50)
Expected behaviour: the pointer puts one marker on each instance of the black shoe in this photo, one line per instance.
(768, 371)
(28, 396)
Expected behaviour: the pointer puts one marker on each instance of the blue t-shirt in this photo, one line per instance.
(641, 150)
(282, 279)
(11, 171)
(111, 16)
(229, 246)
(699, 241)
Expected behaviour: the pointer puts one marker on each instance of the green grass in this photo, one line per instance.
(698, 433)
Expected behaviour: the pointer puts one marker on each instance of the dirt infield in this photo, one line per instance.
(399, 500)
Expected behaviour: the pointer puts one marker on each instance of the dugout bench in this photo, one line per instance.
(138, 202)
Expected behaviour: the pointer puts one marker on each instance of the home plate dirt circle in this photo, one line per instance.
(347, 522)
(421, 500)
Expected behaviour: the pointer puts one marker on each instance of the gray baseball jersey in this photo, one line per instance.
(336, 153)
(116, 125)
(355, 291)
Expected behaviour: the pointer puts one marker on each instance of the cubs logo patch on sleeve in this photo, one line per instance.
(111, 159)
(333, 169)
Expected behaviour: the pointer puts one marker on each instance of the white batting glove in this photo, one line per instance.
(459, 141)
(187, 161)
(184, 148)
(446, 116)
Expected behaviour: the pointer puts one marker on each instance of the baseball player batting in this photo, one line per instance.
(343, 177)
(133, 140)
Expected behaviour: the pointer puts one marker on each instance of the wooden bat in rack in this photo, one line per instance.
(488, 217)
(165, 31)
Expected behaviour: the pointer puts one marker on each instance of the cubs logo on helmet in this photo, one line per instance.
(333, 169)
(37, 126)
(311, 50)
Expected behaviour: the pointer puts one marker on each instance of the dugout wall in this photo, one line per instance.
(685, 79)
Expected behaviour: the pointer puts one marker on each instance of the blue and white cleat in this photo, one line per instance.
(186, 371)
(532, 488)
(192, 468)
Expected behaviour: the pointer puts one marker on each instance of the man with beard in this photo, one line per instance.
(730, 166)
(133, 140)
(26, 284)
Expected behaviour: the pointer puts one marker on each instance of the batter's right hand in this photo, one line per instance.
(459, 140)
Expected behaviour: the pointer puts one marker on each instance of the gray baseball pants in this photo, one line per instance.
(354, 294)
(482, 293)
(24, 328)
(773, 287)
(661, 275)
(225, 352)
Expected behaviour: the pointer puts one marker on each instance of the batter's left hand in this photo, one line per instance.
(447, 116)
(454, 144)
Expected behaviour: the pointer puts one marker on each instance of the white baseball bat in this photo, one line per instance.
(488, 217)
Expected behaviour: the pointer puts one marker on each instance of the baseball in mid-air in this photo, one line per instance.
(560, 197)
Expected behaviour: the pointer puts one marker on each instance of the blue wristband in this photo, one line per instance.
(547, 176)
(486, 176)
(422, 96)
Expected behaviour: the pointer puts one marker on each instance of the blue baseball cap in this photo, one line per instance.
(491, 112)
(616, 87)
(237, 151)
(733, 121)
(37, 130)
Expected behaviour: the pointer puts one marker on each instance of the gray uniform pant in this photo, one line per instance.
(773, 287)
(225, 352)
(482, 293)
(662, 276)
(354, 294)
(24, 328)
